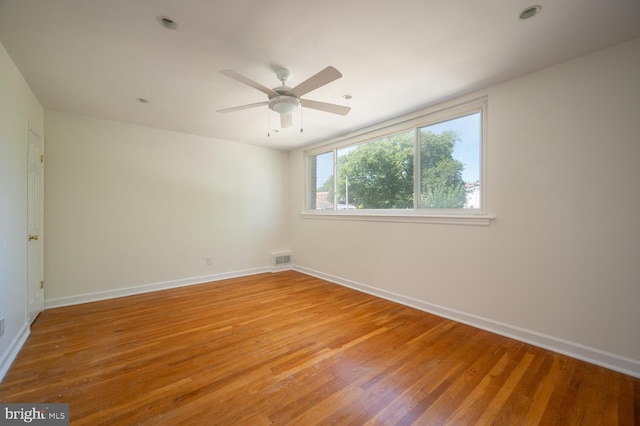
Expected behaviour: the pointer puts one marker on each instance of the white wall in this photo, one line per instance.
(19, 108)
(130, 206)
(562, 257)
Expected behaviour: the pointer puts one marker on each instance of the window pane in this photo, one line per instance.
(377, 174)
(321, 181)
(450, 164)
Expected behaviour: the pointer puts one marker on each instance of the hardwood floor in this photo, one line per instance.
(287, 348)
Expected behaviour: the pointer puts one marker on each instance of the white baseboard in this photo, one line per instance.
(575, 350)
(12, 351)
(146, 288)
(280, 268)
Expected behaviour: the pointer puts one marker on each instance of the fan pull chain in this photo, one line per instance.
(301, 130)
(268, 124)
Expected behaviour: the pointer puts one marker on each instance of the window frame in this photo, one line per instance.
(415, 121)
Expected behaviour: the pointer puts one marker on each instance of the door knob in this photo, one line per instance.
(33, 237)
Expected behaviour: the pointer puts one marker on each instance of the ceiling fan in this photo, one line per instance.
(285, 100)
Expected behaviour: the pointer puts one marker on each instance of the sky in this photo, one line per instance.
(467, 150)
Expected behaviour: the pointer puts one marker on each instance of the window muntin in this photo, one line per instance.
(432, 166)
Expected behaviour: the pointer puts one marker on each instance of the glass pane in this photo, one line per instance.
(450, 164)
(321, 182)
(377, 174)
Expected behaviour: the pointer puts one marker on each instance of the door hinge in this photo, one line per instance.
(41, 284)
(41, 158)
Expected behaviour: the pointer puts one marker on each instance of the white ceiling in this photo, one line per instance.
(95, 57)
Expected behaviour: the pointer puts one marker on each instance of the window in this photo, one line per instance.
(321, 181)
(450, 163)
(427, 166)
(376, 174)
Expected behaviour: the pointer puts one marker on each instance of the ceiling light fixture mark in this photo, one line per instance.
(530, 12)
(167, 22)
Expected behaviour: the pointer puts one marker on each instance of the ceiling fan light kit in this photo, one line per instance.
(285, 100)
(284, 104)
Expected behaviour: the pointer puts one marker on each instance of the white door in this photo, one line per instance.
(35, 219)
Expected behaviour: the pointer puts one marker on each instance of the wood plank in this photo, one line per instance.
(287, 348)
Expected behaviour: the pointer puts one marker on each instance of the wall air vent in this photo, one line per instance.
(280, 261)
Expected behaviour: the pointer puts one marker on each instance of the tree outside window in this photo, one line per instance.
(379, 174)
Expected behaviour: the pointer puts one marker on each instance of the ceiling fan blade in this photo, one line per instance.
(240, 108)
(242, 79)
(286, 120)
(323, 106)
(325, 76)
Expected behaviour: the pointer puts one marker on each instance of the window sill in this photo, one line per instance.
(480, 219)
